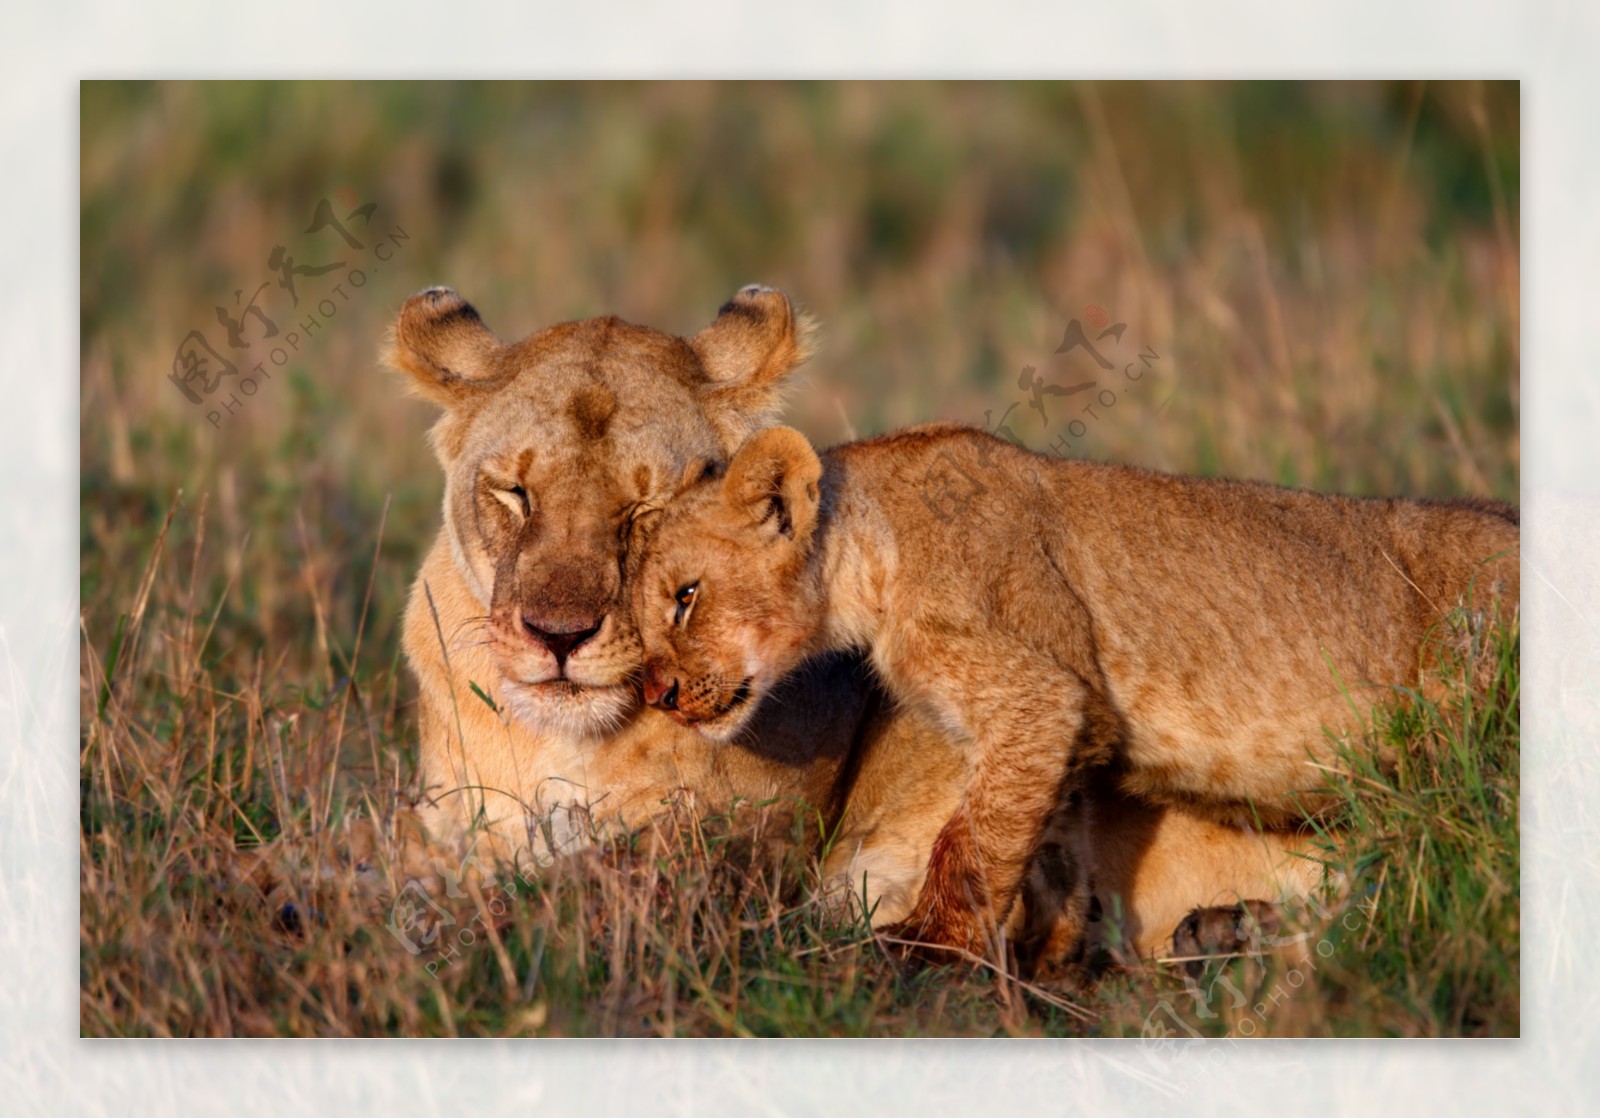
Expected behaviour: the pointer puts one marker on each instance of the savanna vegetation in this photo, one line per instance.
(1327, 273)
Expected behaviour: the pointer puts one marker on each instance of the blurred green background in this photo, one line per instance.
(1328, 271)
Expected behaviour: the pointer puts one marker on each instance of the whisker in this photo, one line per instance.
(474, 623)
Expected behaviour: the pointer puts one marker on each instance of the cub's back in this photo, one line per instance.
(960, 494)
(1229, 622)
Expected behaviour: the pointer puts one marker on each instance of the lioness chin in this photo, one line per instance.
(1208, 637)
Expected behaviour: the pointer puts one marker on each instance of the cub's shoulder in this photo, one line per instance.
(924, 441)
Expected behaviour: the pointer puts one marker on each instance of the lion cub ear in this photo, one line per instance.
(774, 480)
(757, 339)
(440, 340)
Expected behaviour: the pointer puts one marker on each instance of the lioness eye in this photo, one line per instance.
(520, 496)
(685, 599)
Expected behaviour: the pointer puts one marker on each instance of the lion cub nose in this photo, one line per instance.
(562, 639)
(660, 689)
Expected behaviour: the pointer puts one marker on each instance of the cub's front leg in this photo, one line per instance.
(1031, 728)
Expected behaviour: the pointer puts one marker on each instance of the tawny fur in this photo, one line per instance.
(556, 450)
(1209, 638)
(585, 417)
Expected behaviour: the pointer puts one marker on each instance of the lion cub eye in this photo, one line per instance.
(685, 599)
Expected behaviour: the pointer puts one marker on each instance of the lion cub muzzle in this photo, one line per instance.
(660, 687)
(693, 702)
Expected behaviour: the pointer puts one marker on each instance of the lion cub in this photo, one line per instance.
(1206, 634)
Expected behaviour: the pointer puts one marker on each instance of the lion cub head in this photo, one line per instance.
(727, 600)
(555, 449)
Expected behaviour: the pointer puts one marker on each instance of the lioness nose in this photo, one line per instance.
(660, 690)
(561, 639)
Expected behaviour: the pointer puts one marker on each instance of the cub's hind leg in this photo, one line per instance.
(1118, 877)
(1051, 918)
(1154, 866)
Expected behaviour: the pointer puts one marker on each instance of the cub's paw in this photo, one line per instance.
(1221, 931)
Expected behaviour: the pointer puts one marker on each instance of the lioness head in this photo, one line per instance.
(555, 449)
(725, 601)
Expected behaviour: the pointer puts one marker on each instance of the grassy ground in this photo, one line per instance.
(1328, 273)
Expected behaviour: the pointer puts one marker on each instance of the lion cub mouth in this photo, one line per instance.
(741, 696)
(706, 723)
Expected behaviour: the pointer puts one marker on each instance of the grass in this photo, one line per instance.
(705, 926)
(1329, 273)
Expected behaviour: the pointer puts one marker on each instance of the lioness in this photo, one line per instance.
(518, 628)
(1206, 634)
(521, 634)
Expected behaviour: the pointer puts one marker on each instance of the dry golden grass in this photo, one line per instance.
(1329, 273)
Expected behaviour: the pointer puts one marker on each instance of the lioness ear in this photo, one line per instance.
(756, 341)
(440, 340)
(774, 479)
